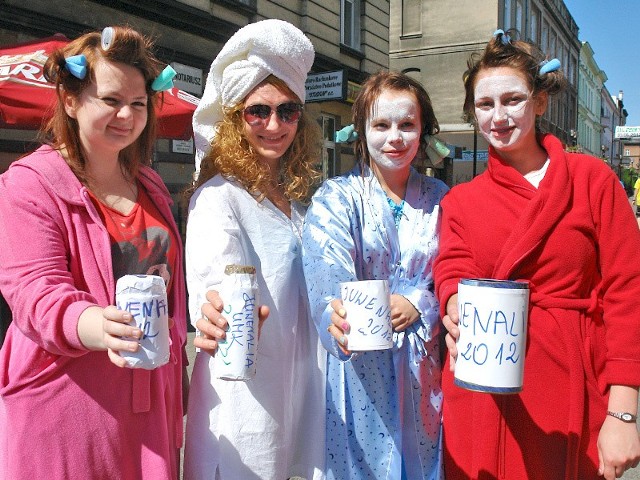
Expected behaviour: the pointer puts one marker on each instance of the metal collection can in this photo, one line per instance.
(493, 335)
(145, 298)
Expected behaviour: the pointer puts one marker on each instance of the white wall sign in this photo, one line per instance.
(325, 86)
(182, 146)
(627, 132)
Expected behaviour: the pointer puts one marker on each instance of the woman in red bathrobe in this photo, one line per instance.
(562, 222)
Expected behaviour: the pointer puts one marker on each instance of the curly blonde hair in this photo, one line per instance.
(233, 157)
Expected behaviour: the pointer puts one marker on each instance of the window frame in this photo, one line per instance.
(353, 27)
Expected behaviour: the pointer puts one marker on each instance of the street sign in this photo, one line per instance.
(627, 132)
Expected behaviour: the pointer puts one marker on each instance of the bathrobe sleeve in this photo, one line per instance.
(213, 240)
(329, 253)
(35, 230)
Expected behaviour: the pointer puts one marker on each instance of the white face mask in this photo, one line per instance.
(393, 130)
(504, 108)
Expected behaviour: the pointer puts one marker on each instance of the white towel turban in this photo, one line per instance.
(268, 47)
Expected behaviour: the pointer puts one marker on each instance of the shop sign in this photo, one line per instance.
(188, 78)
(325, 86)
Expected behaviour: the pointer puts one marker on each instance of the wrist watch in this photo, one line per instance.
(624, 416)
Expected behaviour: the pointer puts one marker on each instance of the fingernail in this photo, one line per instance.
(343, 341)
(127, 316)
(345, 326)
(342, 312)
(329, 329)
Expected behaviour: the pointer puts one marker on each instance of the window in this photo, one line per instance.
(627, 152)
(518, 23)
(411, 17)
(350, 23)
(506, 21)
(328, 125)
(572, 70)
(544, 36)
(533, 27)
(551, 51)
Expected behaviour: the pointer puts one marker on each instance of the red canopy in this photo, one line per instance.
(26, 99)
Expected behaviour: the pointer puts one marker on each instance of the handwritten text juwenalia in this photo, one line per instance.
(241, 332)
(146, 314)
(491, 335)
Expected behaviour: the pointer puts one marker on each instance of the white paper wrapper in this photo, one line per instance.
(493, 335)
(367, 303)
(236, 356)
(145, 298)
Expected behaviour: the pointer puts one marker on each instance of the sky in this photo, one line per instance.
(611, 28)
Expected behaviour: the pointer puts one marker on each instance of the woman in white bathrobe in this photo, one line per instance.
(256, 169)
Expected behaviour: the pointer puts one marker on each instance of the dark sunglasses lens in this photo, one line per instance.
(289, 112)
(255, 112)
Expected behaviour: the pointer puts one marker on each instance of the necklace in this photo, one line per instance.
(123, 223)
(396, 210)
(121, 203)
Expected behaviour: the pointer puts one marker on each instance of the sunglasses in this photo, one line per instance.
(289, 112)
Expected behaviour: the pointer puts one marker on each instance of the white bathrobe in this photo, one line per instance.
(270, 427)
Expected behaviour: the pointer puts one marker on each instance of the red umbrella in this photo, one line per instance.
(26, 99)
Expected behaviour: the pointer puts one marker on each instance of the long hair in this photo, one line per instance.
(368, 95)
(503, 51)
(233, 157)
(61, 132)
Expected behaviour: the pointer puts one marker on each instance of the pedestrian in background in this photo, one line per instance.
(258, 148)
(76, 215)
(380, 222)
(561, 222)
(636, 196)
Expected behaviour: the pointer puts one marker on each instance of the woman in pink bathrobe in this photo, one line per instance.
(76, 215)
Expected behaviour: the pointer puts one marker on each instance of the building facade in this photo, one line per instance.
(433, 41)
(590, 107)
(351, 39)
(612, 115)
(631, 155)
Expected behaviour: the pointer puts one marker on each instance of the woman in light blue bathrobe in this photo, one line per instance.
(380, 221)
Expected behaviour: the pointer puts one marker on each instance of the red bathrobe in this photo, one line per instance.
(575, 239)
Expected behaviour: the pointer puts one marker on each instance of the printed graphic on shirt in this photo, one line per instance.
(145, 254)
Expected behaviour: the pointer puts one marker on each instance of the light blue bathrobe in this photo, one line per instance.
(383, 407)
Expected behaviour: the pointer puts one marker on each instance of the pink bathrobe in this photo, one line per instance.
(66, 412)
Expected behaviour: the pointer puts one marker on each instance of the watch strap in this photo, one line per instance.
(624, 416)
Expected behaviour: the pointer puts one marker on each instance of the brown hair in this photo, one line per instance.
(233, 157)
(503, 51)
(368, 95)
(61, 132)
